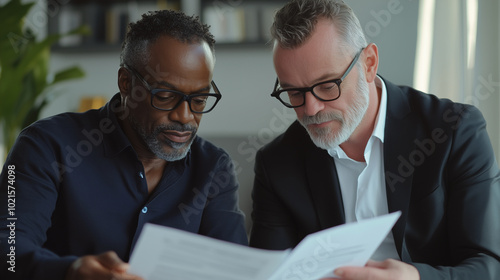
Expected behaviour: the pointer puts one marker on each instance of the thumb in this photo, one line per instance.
(111, 261)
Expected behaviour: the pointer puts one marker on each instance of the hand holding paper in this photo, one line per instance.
(166, 253)
(388, 269)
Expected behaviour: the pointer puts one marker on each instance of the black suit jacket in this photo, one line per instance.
(441, 174)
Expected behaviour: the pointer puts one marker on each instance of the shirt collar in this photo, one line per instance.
(382, 110)
(378, 131)
(115, 140)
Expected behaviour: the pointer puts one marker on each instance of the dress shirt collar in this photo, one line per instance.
(382, 110)
(378, 131)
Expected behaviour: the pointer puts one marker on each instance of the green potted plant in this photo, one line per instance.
(25, 87)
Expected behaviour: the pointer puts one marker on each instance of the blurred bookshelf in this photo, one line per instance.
(107, 20)
(238, 22)
(234, 23)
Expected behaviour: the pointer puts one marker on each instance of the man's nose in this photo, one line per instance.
(182, 113)
(313, 105)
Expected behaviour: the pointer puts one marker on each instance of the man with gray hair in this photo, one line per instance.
(86, 183)
(363, 147)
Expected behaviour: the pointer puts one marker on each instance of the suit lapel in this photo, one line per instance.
(398, 146)
(324, 186)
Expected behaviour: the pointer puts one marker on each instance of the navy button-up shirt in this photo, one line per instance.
(80, 189)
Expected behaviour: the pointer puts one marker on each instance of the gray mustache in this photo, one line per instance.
(322, 117)
(175, 126)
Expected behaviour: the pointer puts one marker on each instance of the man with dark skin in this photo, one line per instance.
(186, 67)
(87, 183)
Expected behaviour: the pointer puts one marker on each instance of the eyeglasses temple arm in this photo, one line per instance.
(352, 64)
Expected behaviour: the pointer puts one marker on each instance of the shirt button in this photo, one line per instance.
(141, 175)
(145, 210)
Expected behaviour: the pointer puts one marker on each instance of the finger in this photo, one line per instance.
(386, 264)
(359, 273)
(111, 261)
(125, 277)
(372, 263)
(88, 267)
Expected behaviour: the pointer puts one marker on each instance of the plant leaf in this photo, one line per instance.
(24, 61)
(68, 74)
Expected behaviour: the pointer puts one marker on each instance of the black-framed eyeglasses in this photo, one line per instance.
(324, 91)
(168, 100)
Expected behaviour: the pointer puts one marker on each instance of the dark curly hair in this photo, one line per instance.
(153, 25)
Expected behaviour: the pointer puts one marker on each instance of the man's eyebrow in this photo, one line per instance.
(172, 87)
(286, 85)
(201, 90)
(166, 84)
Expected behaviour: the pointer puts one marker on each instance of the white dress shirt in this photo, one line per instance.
(363, 183)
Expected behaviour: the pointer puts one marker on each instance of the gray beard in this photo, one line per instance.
(325, 138)
(152, 141)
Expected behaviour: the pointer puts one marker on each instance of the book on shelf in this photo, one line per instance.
(227, 25)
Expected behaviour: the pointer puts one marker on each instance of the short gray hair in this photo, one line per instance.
(294, 23)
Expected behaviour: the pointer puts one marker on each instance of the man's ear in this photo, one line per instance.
(370, 62)
(124, 81)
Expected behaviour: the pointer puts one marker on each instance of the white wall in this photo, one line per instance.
(392, 26)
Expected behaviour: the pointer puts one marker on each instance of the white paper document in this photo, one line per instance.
(167, 253)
